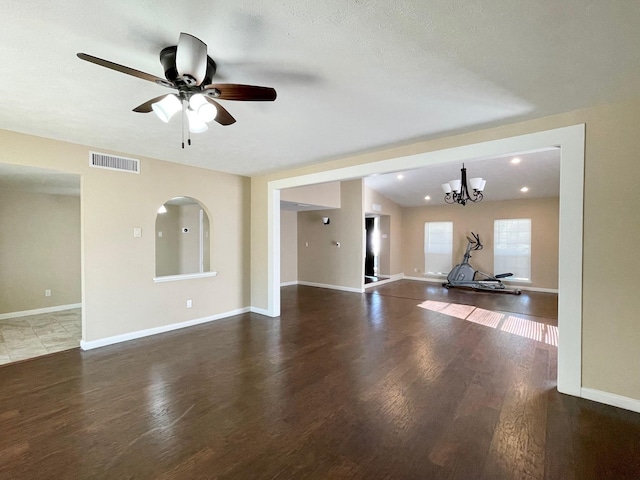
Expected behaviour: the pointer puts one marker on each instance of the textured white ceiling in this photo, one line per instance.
(351, 76)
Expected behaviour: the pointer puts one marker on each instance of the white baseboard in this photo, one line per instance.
(38, 311)
(427, 279)
(260, 311)
(332, 287)
(535, 289)
(288, 284)
(611, 399)
(511, 285)
(125, 337)
(387, 279)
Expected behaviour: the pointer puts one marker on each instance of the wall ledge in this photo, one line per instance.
(184, 276)
(611, 399)
(125, 337)
(38, 311)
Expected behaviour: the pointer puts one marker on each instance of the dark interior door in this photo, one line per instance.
(369, 255)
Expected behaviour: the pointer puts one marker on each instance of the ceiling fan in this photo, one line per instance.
(189, 70)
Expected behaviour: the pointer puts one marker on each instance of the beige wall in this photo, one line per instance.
(384, 257)
(190, 241)
(479, 218)
(323, 195)
(611, 325)
(168, 245)
(322, 261)
(39, 250)
(119, 294)
(391, 226)
(288, 246)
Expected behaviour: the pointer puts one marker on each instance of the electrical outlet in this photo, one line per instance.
(47, 293)
(137, 232)
(189, 303)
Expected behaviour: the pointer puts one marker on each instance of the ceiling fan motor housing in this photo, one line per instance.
(168, 61)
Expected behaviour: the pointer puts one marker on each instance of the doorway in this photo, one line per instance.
(372, 249)
(40, 282)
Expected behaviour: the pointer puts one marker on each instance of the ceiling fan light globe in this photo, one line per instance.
(167, 107)
(196, 101)
(196, 125)
(207, 112)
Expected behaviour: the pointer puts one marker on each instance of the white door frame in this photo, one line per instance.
(571, 142)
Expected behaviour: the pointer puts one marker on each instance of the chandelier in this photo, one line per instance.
(457, 191)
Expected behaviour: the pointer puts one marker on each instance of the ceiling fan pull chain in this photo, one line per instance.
(182, 118)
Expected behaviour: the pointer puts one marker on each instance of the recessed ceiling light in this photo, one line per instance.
(427, 197)
(516, 160)
(400, 176)
(524, 189)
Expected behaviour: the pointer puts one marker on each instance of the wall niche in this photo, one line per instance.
(182, 238)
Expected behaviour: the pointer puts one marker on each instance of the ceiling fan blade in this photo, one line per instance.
(223, 117)
(146, 106)
(234, 91)
(123, 69)
(191, 58)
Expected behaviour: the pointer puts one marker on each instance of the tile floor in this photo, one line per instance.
(35, 335)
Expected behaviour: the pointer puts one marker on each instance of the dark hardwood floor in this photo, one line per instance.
(342, 385)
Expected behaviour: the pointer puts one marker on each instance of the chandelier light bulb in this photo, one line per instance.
(475, 183)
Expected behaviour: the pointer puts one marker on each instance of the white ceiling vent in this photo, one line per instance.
(111, 162)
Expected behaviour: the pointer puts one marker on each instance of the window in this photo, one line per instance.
(438, 247)
(512, 248)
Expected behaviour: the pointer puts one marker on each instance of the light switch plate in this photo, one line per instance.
(137, 232)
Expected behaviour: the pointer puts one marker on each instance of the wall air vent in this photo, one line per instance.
(111, 162)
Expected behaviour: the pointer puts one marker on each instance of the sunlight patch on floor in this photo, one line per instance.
(540, 332)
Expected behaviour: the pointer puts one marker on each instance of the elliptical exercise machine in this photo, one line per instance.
(464, 275)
